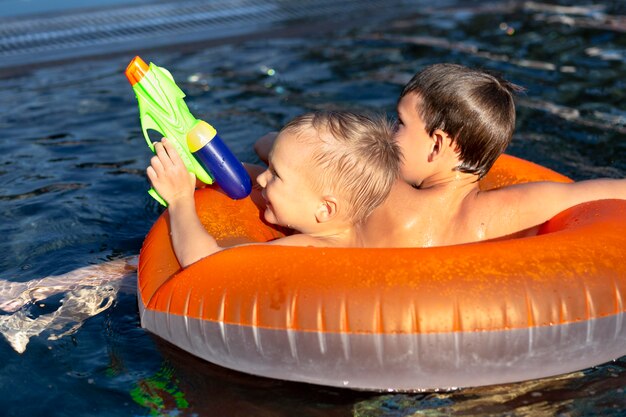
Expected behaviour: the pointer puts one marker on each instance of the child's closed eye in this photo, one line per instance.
(273, 172)
(397, 124)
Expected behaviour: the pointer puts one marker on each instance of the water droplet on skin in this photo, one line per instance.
(481, 231)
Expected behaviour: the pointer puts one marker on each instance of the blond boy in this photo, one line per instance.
(327, 172)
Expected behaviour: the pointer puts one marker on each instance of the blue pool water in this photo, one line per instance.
(73, 193)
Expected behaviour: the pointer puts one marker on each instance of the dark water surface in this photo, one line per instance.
(73, 193)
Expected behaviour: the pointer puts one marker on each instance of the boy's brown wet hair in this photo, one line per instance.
(474, 107)
(354, 156)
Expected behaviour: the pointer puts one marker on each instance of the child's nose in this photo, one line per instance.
(261, 179)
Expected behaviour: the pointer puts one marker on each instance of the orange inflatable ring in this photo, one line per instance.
(401, 319)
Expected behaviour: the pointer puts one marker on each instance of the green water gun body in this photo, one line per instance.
(162, 108)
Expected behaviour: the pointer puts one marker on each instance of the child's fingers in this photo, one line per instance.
(157, 164)
(152, 175)
(162, 155)
(172, 152)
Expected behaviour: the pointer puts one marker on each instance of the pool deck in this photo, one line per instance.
(52, 34)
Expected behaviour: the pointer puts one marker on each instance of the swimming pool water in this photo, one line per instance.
(73, 193)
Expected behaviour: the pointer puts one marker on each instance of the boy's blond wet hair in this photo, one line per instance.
(354, 157)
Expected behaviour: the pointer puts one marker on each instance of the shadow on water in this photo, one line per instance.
(73, 191)
(191, 386)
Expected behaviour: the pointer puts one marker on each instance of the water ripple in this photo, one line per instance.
(593, 10)
(596, 119)
(52, 188)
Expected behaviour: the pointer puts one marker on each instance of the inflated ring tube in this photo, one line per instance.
(403, 318)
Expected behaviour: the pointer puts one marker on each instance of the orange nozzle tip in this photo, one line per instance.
(136, 70)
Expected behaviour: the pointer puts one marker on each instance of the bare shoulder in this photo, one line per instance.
(530, 192)
(499, 212)
(505, 195)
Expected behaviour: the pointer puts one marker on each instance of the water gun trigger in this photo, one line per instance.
(148, 123)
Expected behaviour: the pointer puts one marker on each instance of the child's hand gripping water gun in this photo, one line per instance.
(162, 108)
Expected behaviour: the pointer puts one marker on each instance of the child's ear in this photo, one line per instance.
(327, 209)
(440, 144)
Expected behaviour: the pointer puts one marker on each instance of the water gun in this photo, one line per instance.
(162, 108)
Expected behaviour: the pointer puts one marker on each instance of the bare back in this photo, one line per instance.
(442, 216)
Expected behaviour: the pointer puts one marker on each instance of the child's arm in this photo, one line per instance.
(254, 171)
(175, 184)
(264, 144)
(190, 240)
(14, 295)
(537, 202)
